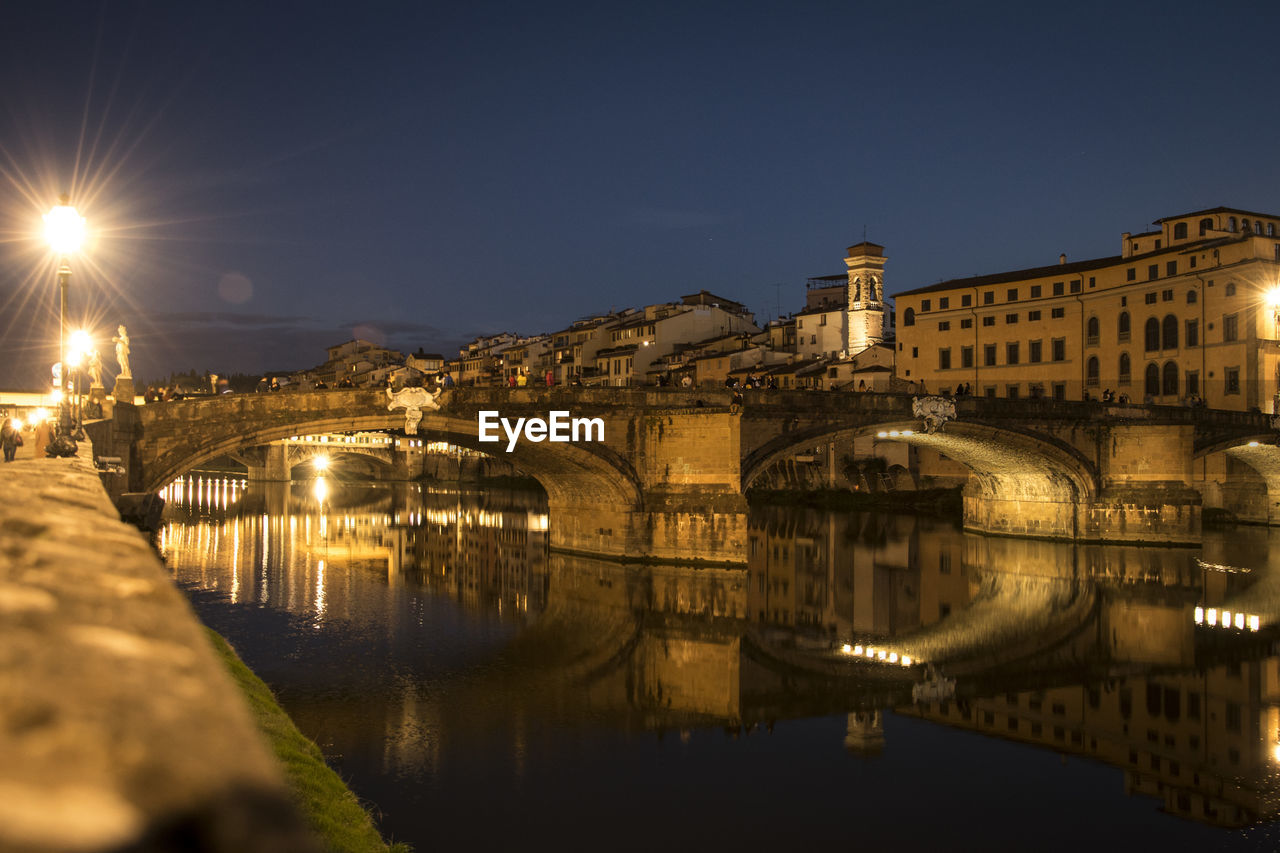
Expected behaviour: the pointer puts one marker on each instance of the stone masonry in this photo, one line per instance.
(119, 728)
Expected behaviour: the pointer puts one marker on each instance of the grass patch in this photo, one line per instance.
(946, 503)
(333, 811)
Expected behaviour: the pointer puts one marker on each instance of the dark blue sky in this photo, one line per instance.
(269, 178)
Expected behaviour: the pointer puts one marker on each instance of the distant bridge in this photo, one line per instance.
(669, 479)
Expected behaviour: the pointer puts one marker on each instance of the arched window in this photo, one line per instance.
(909, 317)
(1244, 225)
(1206, 225)
(1191, 296)
(1257, 227)
(1151, 387)
(1231, 224)
(1124, 325)
(1180, 231)
(1151, 335)
(1091, 370)
(1124, 368)
(1170, 383)
(1271, 229)
(1170, 332)
(1091, 330)
(1230, 289)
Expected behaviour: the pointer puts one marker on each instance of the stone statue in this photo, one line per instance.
(934, 411)
(413, 401)
(121, 340)
(95, 369)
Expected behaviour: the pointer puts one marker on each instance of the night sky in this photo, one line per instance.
(264, 179)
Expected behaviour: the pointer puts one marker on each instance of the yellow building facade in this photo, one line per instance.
(1187, 312)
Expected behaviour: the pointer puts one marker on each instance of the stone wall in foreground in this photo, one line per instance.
(119, 728)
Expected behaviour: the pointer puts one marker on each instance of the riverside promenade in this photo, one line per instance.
(119, 728)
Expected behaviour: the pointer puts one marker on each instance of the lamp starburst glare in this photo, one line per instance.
(64, 229)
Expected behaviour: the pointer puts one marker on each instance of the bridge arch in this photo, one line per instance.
(1021, 483)
(1242, 476)
(592, 491)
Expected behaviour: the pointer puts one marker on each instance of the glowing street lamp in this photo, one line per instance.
(64, 230)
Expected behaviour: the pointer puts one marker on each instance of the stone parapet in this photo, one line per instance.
(118, 725)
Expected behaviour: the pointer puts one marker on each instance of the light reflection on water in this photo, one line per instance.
(447, 662)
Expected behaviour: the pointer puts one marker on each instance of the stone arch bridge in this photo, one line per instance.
(669, 479)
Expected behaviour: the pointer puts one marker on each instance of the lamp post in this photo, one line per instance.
(64, 229)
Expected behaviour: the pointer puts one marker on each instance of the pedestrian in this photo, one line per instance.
(522, 379)
(550, 379)
(686, 381)
(10, 439)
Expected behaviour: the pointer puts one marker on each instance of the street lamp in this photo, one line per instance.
(64, 229)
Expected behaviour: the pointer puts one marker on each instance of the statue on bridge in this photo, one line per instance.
(413, 401)
(121, 340)
(934, 410)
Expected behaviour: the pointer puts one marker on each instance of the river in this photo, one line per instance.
(868, 679)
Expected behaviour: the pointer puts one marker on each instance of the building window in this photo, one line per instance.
(1035, 353)
(1010, 318)
(1057, 288)
(1059, 347)
(1206, 225)
(1091, 371)
(1191, 296)
(1011, 353)
(1170, 388)
(943, 326)
(1180, 231)
(989, 392)
(1035, 291)
(1124, 368)
(1093, 282)
(989, 297)
(944, 358)
(989, 321)
(822, 320)
(909, 317)
(966, 323)
(1033, 316)
(1151, 335)
(1075, 286)
(1171, 268)
(966, 356)
(1057, 313)
(1131, 274)
(1124, 326)
(989, 355)
(966, 300)
(1151, 383)
(1091, 332)
(1011, 391)
(1193, 383)
(944, 302)
(1013, 294)
(1232, 377)
(1170, 332)
(925, 305)
(1059, 391)
(1230, 332)
(1193, 333)
(1231, 224)
(1271, 229)
(1151, 298)
(915, 352)
(1230, 289)
(1166, 296)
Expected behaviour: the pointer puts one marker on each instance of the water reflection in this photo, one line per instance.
(429, 637)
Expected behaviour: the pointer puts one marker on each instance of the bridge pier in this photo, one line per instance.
(1147, 493)
(269, 463)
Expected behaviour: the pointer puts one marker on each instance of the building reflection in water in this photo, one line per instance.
(1103, 652)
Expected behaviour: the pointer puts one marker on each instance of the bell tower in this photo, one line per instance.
(866, 320)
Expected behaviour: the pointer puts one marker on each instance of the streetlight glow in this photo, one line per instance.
(80, 344)
(64, 228)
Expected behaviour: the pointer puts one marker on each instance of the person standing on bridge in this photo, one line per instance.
(10, 439)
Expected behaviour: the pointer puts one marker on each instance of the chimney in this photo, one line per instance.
(1062, 259)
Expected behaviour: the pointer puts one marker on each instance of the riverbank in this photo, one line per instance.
(333, 811)
(943, 503)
